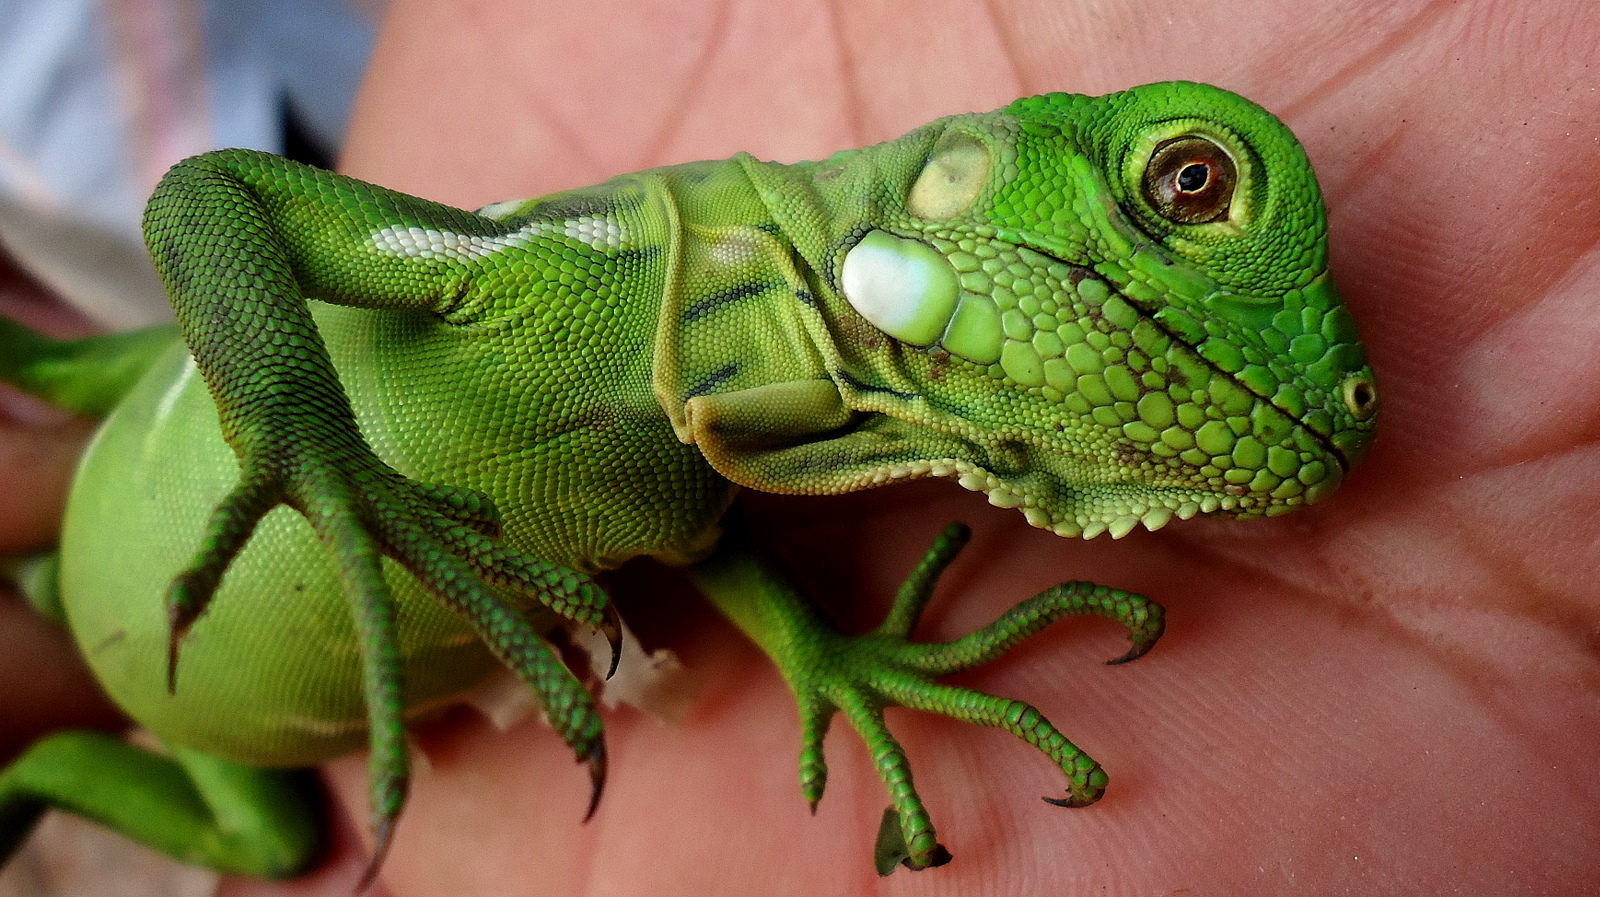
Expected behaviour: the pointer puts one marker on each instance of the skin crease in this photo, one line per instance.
(1392, 693)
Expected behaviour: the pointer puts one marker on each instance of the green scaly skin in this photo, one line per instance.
(1103, 312)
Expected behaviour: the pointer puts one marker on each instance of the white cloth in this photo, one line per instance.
(100, 97)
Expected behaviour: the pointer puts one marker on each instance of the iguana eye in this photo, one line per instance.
(1189, 180)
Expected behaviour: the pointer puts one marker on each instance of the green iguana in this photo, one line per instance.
(1103, 312)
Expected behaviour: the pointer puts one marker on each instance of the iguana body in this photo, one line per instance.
(1102, 311)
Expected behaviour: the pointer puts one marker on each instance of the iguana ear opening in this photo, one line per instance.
(799, 438)
(954, 176)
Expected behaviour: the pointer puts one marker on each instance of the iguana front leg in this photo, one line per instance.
(242, 240)
(860, 675)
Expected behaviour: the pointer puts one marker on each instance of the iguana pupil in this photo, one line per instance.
(1194, 177)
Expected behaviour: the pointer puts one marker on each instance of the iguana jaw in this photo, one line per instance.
(1196, 439)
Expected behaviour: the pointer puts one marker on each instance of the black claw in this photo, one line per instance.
(1069, 802)
(611, 627)
(172, 663)
(181, 614)
(177, 627)
(1134, 653)
(382, 832)
(1139, 648)
(597, 775)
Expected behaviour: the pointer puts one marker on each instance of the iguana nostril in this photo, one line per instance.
(1360, 396)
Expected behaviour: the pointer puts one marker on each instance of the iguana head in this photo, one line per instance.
(1103, 311)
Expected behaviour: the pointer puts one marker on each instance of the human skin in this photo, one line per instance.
(43, 686)
(1392, 692)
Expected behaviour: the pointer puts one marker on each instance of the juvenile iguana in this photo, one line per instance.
(1103, 312)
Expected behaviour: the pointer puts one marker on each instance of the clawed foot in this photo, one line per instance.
(861, 675)
(449, 539)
